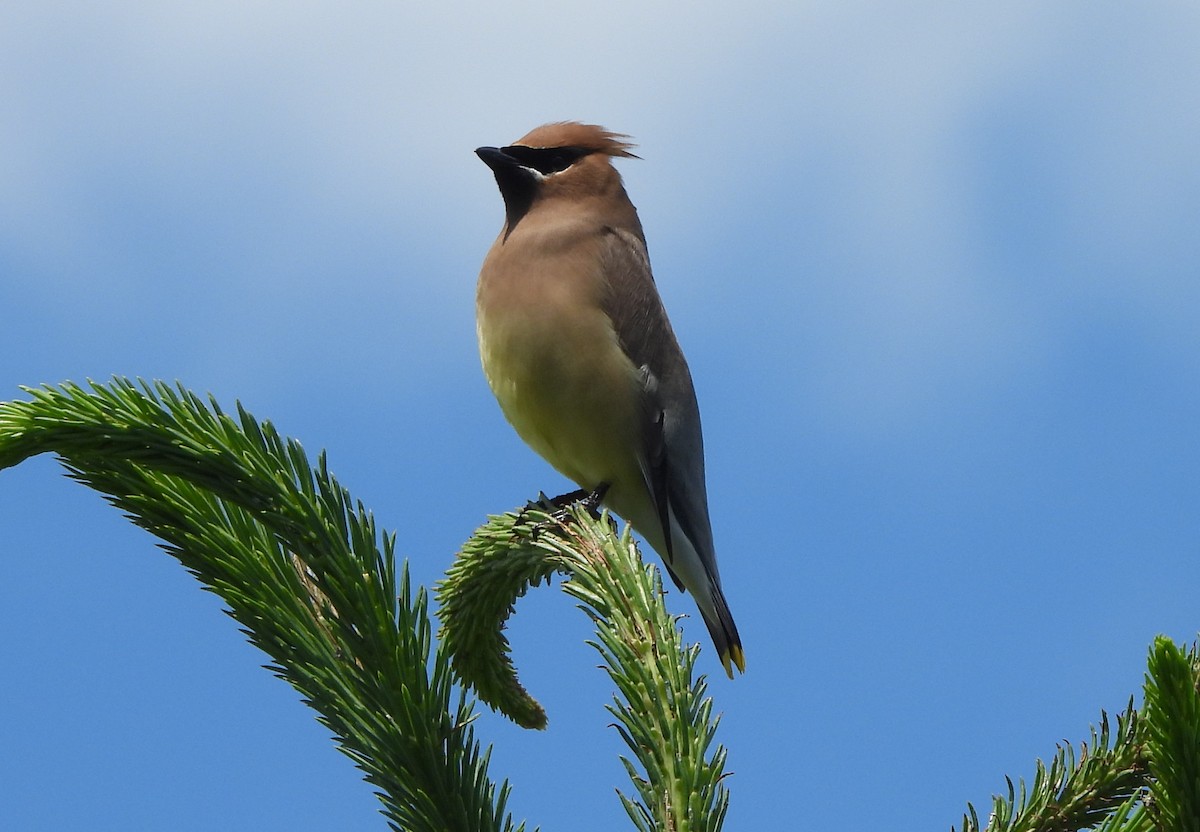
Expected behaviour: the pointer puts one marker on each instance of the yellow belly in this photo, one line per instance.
(567, 388)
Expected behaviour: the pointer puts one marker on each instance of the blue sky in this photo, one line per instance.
(935, 270)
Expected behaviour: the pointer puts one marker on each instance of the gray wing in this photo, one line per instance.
(673, 445)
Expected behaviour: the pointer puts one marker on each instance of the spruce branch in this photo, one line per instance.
(1172, 717)
(496, 566)
(1130, 816)
(1077, 790)
(661, 709)
(301, 566)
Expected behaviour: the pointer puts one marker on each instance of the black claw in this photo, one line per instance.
(559, 508)
(592, 501)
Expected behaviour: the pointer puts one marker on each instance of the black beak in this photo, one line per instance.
(517, 183)
(495, 158)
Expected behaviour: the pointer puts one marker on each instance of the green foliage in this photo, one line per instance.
(495, 568)
(1130, 816)
(661, 708)
(300, 566)
(306, 572)
(1144, 776)
(1076, 791)
(1173, 736)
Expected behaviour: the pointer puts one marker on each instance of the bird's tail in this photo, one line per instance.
(697, 574)
(724, 632)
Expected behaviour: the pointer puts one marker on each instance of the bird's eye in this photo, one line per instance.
(546, 160)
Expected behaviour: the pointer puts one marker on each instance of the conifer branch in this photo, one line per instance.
(661, 709)
(1077, 790)
(301, 566)
(496, 566)
(1172, 717)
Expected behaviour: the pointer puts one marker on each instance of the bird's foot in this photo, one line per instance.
(559, 508)
(588, 500)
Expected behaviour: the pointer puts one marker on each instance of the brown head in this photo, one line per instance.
(561, 160)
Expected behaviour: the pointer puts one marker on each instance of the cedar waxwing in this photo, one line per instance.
(577, 347)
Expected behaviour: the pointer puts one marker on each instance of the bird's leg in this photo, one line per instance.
(579, 495)
(589, 500)
(592, 503)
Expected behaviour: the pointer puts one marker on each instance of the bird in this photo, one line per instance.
(577, 348)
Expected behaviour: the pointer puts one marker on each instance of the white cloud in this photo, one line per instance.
(983, 180)
(257, 138)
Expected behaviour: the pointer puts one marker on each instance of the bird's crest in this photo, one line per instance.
(575, 134)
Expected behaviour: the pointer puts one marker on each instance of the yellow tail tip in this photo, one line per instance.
(734, 658)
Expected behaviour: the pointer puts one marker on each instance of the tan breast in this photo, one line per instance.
(553, 360)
